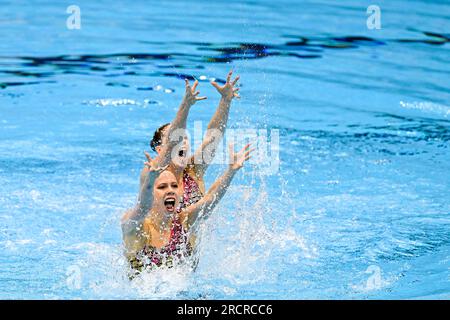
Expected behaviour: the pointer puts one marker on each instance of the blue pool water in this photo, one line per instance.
(359, 208)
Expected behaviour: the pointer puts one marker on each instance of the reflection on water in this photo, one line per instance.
(132, 64)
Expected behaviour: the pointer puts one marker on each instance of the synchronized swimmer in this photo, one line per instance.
(161, 229)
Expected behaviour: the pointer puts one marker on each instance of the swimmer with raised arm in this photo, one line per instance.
(165, 158)
(190, 172)
(157, 233)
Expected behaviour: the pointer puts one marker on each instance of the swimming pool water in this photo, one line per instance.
(358, 210)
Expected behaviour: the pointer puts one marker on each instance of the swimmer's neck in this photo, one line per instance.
(161, 220)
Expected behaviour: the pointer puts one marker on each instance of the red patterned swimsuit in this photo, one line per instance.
(178, 247)
(192, 193)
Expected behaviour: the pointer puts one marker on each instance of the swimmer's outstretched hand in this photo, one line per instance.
(228, 90)
(150, 165)
(237, 159)
(191, 96)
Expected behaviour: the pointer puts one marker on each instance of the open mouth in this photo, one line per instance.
(182, 153)
(169, 203)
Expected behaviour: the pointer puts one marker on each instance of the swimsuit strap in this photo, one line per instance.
(192, 192)
(178, 235)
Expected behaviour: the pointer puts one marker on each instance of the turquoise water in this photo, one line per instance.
(359, 208)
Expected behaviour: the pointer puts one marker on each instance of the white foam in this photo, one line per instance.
(110, 102)
(427, 107)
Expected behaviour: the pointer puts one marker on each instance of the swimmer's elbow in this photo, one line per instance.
(127, 217)
(124, 225)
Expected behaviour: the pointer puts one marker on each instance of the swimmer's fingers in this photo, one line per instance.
(149, 159)
(227, 90)
(198, 98)
(188, 90)
(229, 76)
(247, 155)
(191, 95)
(231, 147)
(248, 152)
(215, 85)
(240, 156)
(235, 81)
(194, 86)
(148, 164)
(245, 149)
(235, 90)
(160, 169)
(231, 152)
(151, 167)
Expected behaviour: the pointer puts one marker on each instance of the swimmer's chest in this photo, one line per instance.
(154, 238)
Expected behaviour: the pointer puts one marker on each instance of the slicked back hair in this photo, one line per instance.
(157, 137)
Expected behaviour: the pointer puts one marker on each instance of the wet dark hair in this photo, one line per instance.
(157, 137)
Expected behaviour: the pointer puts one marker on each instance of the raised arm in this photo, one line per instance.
(164, 157)
(132, 220)
(189, 99)
(203, 209)
(216, 126)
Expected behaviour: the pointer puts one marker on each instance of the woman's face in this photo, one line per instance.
(182, 150)
(167, 192)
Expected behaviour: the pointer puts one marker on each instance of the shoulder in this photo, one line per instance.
(146, 224)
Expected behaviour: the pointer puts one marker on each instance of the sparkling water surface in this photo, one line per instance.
(359, 208)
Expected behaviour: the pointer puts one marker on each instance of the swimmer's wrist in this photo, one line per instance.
(187, 103)
(227, 99)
